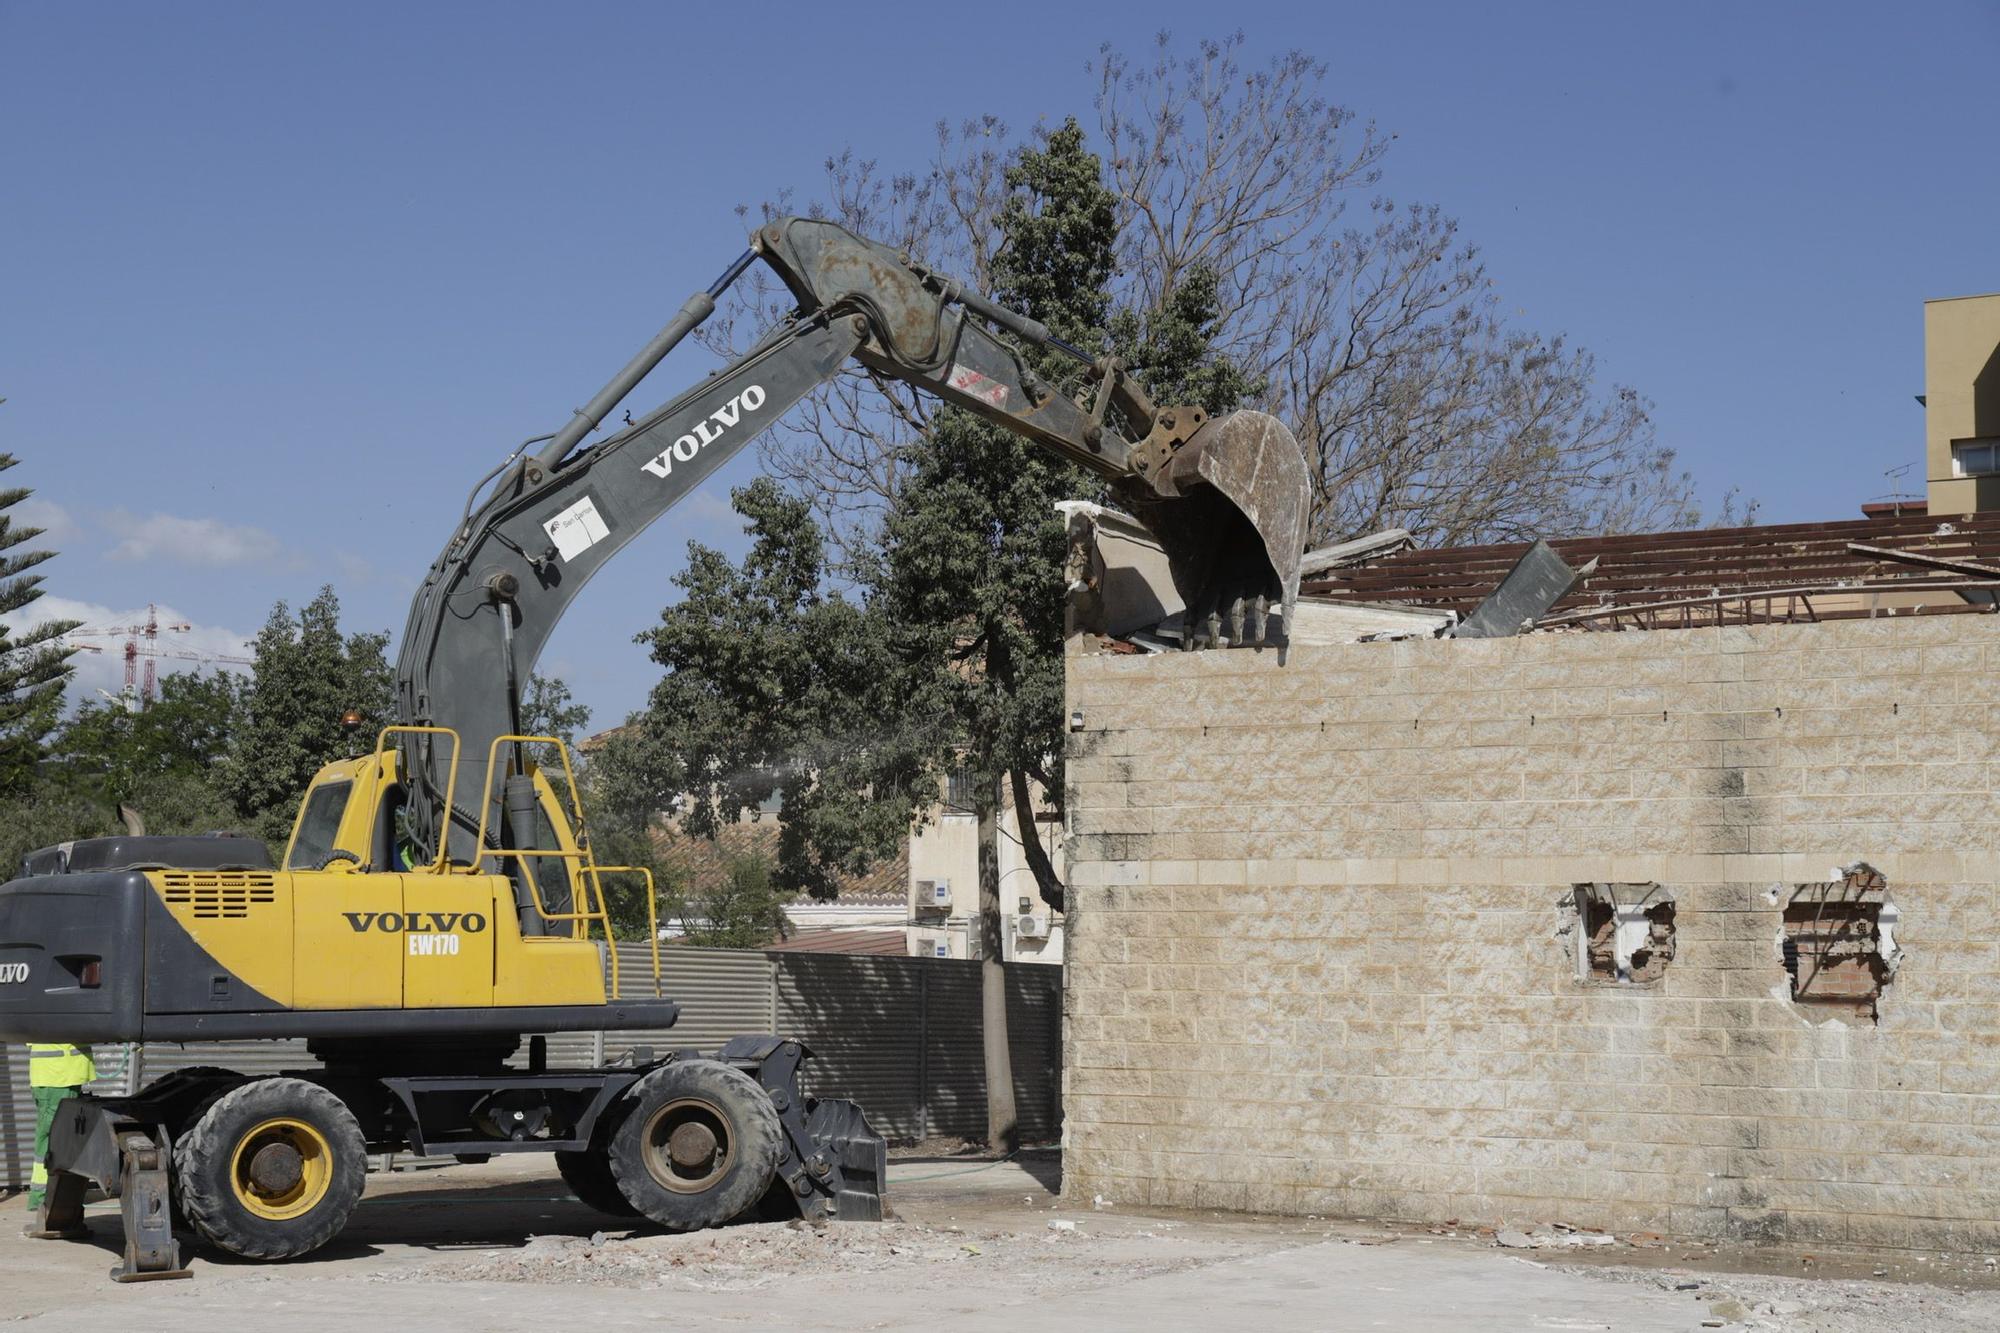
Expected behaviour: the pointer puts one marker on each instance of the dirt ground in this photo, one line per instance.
(974, 1245)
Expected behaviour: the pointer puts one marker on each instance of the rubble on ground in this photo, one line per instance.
(744, 1258)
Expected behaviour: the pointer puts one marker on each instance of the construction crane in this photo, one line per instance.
(142, 642)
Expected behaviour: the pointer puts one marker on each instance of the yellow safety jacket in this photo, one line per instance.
(57, 1065)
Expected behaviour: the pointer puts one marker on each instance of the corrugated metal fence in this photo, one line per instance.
(899, 1035)
(902, 1037)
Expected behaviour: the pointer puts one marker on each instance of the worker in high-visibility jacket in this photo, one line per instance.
(56, 1072)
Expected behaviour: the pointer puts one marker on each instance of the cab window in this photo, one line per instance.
(552, 873)
(319, 826)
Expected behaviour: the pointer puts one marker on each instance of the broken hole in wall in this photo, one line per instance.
(1838, 941)
(1624, 933)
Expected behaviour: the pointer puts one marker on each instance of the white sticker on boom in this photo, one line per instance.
(576, 529)
(975, 385)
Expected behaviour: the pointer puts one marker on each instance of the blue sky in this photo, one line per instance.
(280, 281)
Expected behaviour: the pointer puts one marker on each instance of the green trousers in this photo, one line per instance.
(47, 1100)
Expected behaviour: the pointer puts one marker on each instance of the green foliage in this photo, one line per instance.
(745, 910)
(1171, 349)
(776, 684)
(971, 566)
(34, 664)
(116, 753)
(51, 815)
(972, 562)
(854, 707)
(307, 675)
(548, 709)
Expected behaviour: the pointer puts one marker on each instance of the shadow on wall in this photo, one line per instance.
(1986, 400)
(901, 1036)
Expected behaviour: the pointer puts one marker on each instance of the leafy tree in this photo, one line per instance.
(307, 675)
(57, 814)
(776, 684)
(34, 663)
(745, 910)
(548, 709)
(166, 762)
(186, 730)
(854, 708)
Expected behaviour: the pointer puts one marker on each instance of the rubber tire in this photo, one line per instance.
(202, 1167)
(223, 1080)
(753, 1126)
(588, 1175)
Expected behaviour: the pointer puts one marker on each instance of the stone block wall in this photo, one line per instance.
(1323, 938)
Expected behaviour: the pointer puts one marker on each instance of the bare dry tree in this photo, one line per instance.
(1373, 329)
(1378, 341)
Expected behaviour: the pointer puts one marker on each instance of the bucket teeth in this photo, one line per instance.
(1229, 507)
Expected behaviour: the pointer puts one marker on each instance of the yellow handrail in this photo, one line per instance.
(450, 782)
(652, 918)
(587, 867)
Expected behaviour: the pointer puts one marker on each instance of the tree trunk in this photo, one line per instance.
(1002, 1124)
(1043, 869)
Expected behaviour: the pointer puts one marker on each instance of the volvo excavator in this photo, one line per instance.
(438, 900)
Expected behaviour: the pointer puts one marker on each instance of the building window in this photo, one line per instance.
(958, 792)
(1975, 458)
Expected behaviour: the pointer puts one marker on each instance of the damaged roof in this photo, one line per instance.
(1886, 563)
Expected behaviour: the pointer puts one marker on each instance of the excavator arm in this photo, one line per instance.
(1226, 497)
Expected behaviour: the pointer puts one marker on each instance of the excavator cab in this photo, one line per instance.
(353, 816)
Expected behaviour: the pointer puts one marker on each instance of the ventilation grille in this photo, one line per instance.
(219, 893)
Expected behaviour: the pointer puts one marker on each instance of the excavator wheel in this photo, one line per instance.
(588, 1175)
(271, 1169)
(698, 1146)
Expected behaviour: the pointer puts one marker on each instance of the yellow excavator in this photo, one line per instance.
(438, 900)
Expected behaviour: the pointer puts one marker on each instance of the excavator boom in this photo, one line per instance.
(1226, 497)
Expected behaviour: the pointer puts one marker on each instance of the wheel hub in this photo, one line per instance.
(688, 1146)
(276, 1167)
(281, 1168)
(691, 1146)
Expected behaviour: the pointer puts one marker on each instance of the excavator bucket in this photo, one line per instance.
(1229, 505)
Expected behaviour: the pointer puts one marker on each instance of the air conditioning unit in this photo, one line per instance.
(934, 893)
(930, 946)
(1029, 927)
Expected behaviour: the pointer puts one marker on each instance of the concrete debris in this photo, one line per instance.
(1559, 1236)
(763, 1255)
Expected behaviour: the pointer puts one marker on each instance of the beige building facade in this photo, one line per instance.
(944, 889)
(1694, 932)
(1962, 403)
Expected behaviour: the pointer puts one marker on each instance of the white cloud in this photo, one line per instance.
(191, 541)
(192, 649)
(58, 525)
